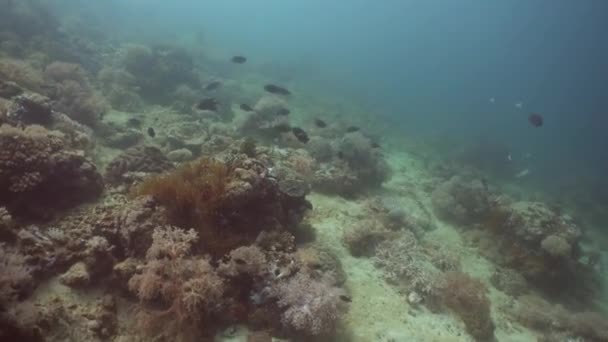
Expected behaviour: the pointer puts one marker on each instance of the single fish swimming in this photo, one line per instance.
(151, 132)
(208, 104)
(213, 85)
(283, 111)
(300, 134)
(535, 120)
(352, 129)
(245, 107)
(320, 123)
(238, 59)
(275, 89)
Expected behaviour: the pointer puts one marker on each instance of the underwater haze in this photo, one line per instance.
(283, 170)
(424, 67)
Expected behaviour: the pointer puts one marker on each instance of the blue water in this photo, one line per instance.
(427, 67)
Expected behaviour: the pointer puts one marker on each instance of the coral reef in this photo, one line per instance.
(15, 276)
(35, 166)
(73, 94)
(312, 307)
(467, 297)
(462, 200)
(159, 70)
(358, 151)
(187, 288)
(139, 159)
(233, 200)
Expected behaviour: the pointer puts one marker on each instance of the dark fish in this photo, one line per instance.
(275, 89)
(151, 132)
(535, 120)
(213, 85)
(340, 155)
(375, 144)
(351, 129)
(283, 127)
(300, 134)
(346, 298)
(240, 261)
(208, 104)
(283, 111)
(134, 122)
(246, 107)
(320, 123)
(484, 183)
(238, 59)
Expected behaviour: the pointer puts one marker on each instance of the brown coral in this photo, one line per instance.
(187, 287)
(73, 93)
(467, 297)
(35, 166)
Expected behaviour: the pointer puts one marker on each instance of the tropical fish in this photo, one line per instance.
(213, 85)
(208, 104)
(134, 122)
(238, 59)
(151, 132)
(283, 111)
(522, 173)
(283, 127)
(300, 134)
(320, 123)
(535, 120)
(346, 298)
(275, 89)
(246, 107)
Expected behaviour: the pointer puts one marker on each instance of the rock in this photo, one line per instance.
(180, 155)
(76, 276)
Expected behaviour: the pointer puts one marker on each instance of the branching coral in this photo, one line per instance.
(185, 289)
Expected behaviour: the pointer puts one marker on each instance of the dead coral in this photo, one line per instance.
(36, 166)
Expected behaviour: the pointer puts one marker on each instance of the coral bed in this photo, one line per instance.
(209, 225)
